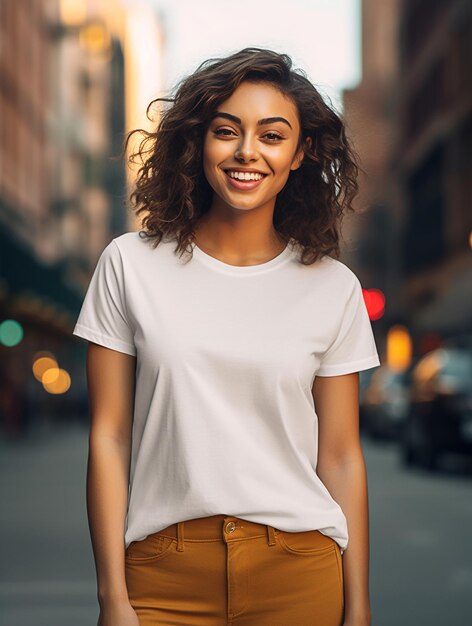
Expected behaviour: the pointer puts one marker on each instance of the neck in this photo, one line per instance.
(240, 242)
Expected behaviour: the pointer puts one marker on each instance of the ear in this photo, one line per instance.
(298, 158)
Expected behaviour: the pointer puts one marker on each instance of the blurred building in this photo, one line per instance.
(26, 181)
(435, 163)
(103, 51)
(370, 114)
(34, 293)
(62, 122)
(67, 74)
(410, 119)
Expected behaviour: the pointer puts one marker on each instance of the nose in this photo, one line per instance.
(246, 151)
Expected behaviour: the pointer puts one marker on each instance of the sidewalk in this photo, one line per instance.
(47, 576)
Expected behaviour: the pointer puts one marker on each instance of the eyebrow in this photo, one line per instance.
(265, 120)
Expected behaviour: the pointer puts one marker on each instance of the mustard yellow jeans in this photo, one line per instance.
(225, 571)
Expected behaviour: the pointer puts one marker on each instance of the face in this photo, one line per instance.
(255, 130)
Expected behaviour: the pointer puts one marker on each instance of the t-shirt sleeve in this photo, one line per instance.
(103, 317)
(354, 347)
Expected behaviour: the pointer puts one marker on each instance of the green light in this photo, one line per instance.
(11, 333)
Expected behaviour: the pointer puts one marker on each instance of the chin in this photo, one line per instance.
(244, 207)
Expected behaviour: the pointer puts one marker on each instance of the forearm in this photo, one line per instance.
(347, 483)
(107, 496)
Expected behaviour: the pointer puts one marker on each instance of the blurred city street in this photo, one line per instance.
(47, 572)
(76, 76)
(421, 554)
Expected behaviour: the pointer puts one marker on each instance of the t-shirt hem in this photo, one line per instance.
(349, 367)
(104, 340)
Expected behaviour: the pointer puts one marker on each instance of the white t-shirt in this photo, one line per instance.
(224, 416)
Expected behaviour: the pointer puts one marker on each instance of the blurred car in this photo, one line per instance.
(440, 416)
(385, 403)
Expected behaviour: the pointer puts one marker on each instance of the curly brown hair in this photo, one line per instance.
(171, 187)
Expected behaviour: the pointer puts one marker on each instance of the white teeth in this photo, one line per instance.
(245, 175)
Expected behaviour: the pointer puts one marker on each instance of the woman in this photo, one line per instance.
(224, 386)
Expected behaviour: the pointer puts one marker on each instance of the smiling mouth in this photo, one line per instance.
(244, 176)
(244, 180)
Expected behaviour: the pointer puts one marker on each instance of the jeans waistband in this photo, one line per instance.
(216, 528)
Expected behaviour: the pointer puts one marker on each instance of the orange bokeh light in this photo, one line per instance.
(56, 380)
(42, 365)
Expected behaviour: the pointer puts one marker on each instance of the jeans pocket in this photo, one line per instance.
(304, 543)
(153, 547)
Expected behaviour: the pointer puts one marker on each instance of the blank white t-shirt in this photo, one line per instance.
(224, 416)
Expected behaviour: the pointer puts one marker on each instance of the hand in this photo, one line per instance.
(118, 614)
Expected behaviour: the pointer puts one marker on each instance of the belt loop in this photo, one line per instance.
(180, 536)
(270, 535)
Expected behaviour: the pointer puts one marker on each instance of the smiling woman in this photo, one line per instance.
(224, 431)
(217, 110)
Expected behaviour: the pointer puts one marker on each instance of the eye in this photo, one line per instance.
(225, 132)
(273, 136)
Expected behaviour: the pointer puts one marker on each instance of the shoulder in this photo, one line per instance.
(120, 249)
(127, 240)
(342, 271)
(131, 245)
(134, 249)
(135, 240)
(338, 275)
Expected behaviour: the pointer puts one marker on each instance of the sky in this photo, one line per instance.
(321, 36)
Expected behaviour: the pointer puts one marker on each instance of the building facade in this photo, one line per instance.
(63, 184)
(411, 121)
(435, 163)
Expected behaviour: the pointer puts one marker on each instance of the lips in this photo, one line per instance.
(244, 185)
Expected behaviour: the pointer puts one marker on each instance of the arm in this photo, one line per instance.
(111, 386)
(341, 468)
